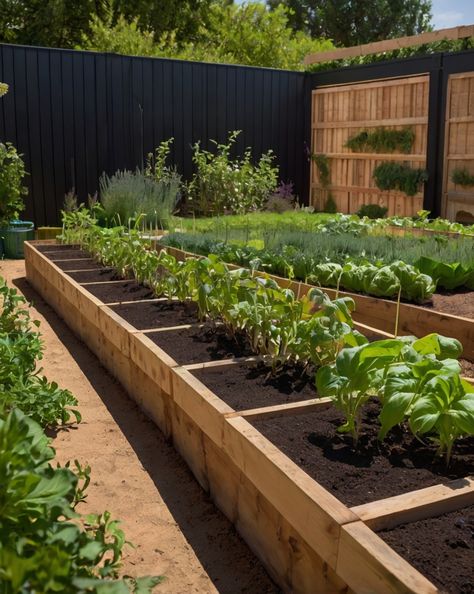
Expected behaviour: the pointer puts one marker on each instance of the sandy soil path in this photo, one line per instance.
(138, 476)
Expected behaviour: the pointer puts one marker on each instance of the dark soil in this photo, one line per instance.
(158, 314)
(90, 276)
(467, 368)
(200, 344)
(458, 304)
(250, 385)
(54, 247)
(441, 548)
(118, 292)
(68, 254)
(375, 470)
(82, 264)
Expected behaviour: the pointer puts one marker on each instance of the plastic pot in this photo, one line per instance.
(13, 237)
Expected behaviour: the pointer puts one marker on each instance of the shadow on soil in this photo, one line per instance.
(230, 564)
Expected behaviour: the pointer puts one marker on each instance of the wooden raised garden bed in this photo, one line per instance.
(381, 313)
(307, 537)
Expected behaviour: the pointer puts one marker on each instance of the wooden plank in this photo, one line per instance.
(309, 508)
(384, 82)
(401, 121)
(116, 329)
(388, 45)
(199, 403)
(379, 156)
(222, 363)
(156, 403)
(368, 565)
(283, 410)
(290, 561)
(417, 505)
(152, 360)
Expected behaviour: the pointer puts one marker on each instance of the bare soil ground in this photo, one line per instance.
(138, 476)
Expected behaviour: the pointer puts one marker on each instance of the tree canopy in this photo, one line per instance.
(353, 22)
(247, 34)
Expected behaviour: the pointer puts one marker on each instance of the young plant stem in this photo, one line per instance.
(397, 315)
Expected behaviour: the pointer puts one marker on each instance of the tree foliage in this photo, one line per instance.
(353, 22)
(236, 34)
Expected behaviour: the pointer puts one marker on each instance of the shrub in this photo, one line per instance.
(224, 185)
(330, 205)
(12, 172)
(372, 211)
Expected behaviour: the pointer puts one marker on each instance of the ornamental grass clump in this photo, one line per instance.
(150, 196)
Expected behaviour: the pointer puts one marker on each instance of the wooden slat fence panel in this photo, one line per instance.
(458, 201)
(339, 112)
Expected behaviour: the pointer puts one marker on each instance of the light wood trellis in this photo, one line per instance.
(340, 112)
(458, 201)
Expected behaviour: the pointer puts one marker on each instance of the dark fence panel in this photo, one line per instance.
(77, 114)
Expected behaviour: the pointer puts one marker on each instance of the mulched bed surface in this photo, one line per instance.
(196, 345)
(458, 304)
(376, 470)
(68, 254)
(90, 276)
(441, 548)
(54, 247)
(158, 314)
(82, 264)
(467, 367)
(250, 385)
(117, 292)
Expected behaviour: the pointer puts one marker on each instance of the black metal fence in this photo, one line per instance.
(76, 114)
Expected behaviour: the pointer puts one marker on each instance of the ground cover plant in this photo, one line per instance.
(416, 381)
(305, 219)
(45, 544)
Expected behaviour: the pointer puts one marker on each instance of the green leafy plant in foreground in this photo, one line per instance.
(45, 545)
(20, 382)
(415, 380)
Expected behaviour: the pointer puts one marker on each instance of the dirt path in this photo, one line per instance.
(139, 477)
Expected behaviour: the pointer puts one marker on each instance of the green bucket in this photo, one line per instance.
(13, 237)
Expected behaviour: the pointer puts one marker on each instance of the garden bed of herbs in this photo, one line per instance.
(409, 268)
(391, 398)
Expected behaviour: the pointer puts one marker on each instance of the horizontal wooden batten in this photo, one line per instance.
(417, 505)
(322, 125)
(377, 156)
(389, 45)
(281, 410)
